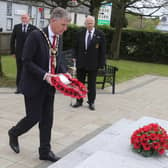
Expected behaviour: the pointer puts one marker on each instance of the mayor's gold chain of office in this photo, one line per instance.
(52, 50)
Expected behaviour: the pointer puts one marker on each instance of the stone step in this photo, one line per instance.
(113, 143)
(102, 159)
(95, 144)
(119, 154)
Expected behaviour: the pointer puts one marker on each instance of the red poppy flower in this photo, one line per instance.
(150, 139)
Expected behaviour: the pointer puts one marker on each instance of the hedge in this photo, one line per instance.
(135, 45)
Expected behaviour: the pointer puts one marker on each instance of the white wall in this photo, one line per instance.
(80, 19)
(72, 17)
(17, 11)
(36, 16)
(3, 15)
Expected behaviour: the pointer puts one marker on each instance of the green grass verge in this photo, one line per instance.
(9, 71)
(127, 70)
(131, 69)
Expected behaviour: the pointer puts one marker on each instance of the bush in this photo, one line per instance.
(135, 45)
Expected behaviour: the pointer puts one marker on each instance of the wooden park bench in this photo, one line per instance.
(105, 75)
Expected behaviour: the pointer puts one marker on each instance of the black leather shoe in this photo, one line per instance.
(91, 107)
(50, 157)
(16, 92)
(77, 104)
(13, 142)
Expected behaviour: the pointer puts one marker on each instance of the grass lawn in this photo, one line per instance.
(9, 70)
(127, 70)
(131, 69)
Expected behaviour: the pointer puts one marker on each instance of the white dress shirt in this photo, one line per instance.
(25, 27)
(87, 34)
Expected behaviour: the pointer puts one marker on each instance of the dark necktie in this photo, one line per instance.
(89, 39)
(24, 28)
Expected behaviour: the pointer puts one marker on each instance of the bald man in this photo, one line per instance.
(18, 37)
(90, 52)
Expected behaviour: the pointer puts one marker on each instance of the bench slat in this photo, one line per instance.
(108, 73)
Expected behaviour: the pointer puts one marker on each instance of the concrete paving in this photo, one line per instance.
(142, 96)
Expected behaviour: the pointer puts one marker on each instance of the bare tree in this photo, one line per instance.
(119, 9)
(137, 7)
(93, 5)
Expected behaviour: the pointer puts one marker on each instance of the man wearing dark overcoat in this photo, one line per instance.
(18, 37)
(40, 47)
(90, 52)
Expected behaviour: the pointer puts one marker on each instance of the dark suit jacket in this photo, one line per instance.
(94, 56)
(18, 39)
(36, 64)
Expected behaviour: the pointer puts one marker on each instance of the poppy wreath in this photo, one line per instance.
(150, 140)
(74, 88)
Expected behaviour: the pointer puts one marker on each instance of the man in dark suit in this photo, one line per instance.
(35, 84)
(90, 52)
(18, 37)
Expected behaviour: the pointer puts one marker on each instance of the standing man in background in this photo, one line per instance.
(18, 37)
(90, 53)
(42, 58)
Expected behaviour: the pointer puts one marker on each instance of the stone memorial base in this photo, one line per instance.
(111, 148)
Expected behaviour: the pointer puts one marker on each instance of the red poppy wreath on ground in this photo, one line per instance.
(150, 140)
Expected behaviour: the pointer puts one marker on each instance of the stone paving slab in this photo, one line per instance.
(88, 148)
(111, 148)
(143, 96)
(102, 159)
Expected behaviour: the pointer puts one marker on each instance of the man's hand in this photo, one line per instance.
(74, 59)
(48, 77)
(69, 75)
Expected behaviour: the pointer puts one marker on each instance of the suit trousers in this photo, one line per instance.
(19, 70)
(38, 109)
(91, 79)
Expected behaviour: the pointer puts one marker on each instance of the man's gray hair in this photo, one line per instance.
(59, 13)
